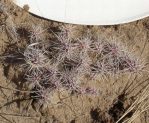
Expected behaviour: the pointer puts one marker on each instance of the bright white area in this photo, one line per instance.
(89, 12)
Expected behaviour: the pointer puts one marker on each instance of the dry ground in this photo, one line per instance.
(116, 94)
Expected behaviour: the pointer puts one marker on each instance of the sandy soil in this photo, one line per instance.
(116, 94)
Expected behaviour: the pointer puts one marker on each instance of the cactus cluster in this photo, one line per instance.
(63, 62)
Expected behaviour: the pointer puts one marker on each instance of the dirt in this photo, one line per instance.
(116, 93)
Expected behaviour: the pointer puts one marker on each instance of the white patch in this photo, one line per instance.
(90, 12)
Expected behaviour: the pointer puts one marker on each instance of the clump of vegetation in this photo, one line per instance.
(113, 60)
(61, 63)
